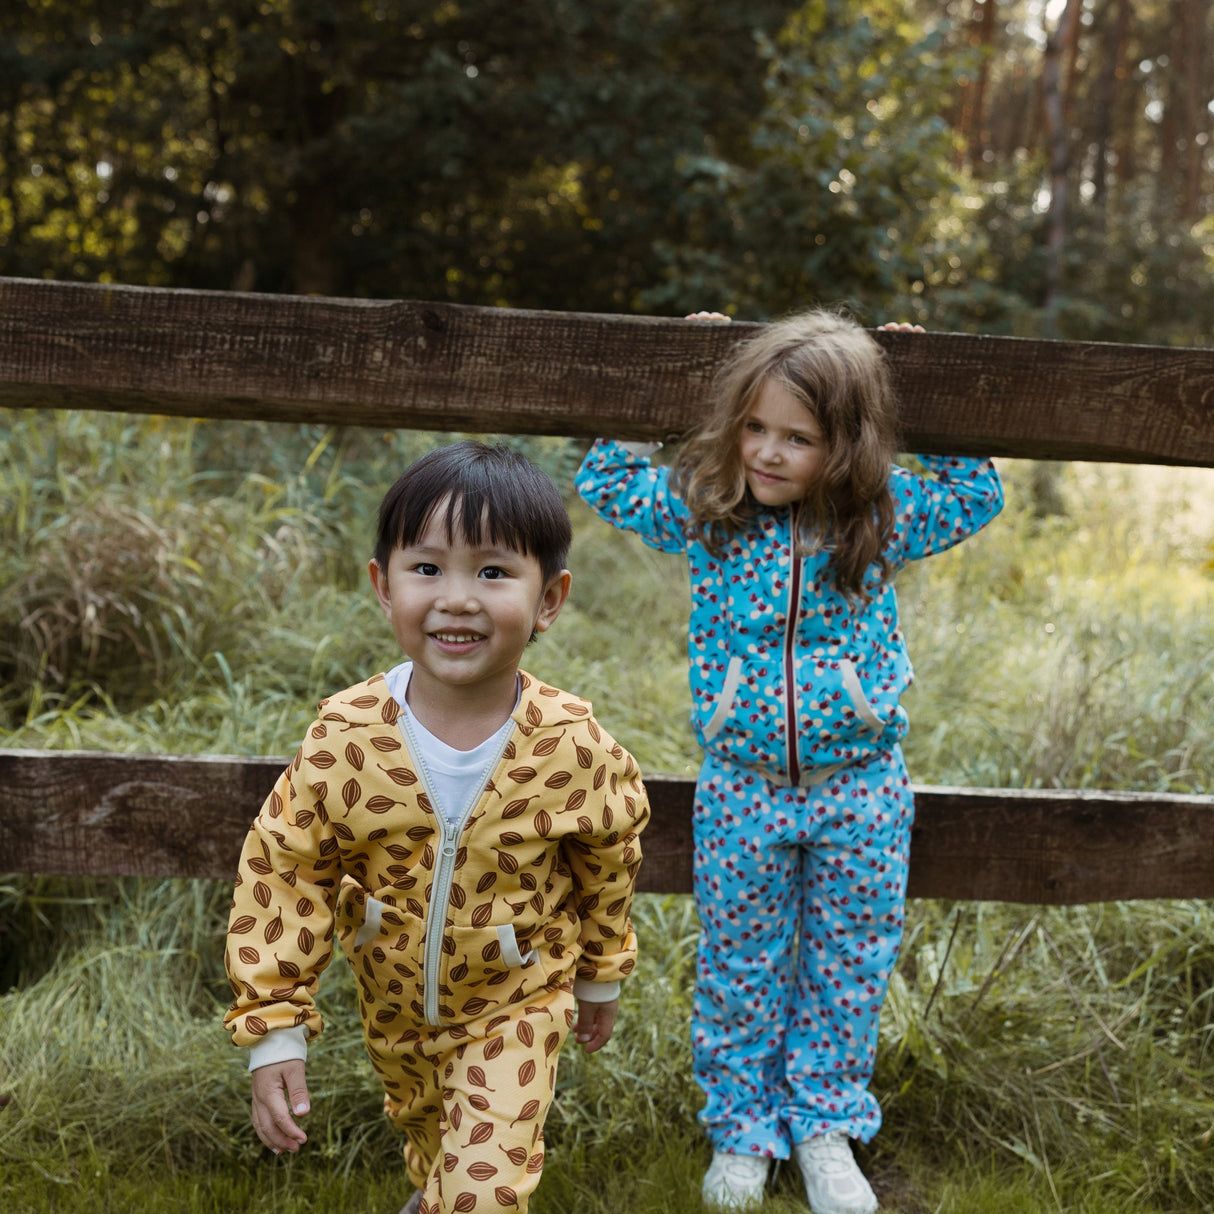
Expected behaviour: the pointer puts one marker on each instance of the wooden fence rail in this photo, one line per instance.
(175, 816)
(448, 367)
(431, 366)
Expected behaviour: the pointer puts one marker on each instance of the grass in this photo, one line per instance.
(1031, 1059)
(1072, 652)
(1019, 1049)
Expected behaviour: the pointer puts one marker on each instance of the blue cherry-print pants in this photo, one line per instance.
(801, 895)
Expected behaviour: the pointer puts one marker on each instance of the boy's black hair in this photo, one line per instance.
(491, 490)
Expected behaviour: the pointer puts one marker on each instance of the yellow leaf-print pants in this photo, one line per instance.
(472, 1099)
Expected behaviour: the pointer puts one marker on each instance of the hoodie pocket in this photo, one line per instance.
(384, 945)
(477, 957)
(484, 967)
(510, 950)
(372, 923)
(729, 689)
(855, 694)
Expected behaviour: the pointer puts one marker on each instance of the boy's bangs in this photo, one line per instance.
(479, 519)
(482, 495)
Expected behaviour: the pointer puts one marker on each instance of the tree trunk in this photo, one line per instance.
(1047, 497)
(973, 118)
(1126, 126)
(1196, 121)
(1060, 157)
(1171, 87)
(320, 105)
(1115, 22)
(1070, 34)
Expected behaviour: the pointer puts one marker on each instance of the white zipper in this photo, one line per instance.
(444, 868)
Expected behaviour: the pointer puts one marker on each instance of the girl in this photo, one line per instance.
(794, 523)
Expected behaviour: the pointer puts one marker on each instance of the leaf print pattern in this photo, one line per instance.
(347, 828)
(460, 1146)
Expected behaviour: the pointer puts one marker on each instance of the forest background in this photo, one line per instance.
(989, 166)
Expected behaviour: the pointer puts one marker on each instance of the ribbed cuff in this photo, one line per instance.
(280, 1045)
(595, 992)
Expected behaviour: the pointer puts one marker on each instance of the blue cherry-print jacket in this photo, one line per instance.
(788, 677)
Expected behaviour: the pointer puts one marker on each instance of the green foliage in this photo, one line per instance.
(149, 603)
(157, 594)
(114, 1060)
(1074, 1040)
(128, 566)
(191, 586)
(1132, 274)
(643, 155)
(473, 152)
(846, 165)
(1030, 1060)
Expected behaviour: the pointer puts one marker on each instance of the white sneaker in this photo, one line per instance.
(833, 1182)
(735, 1182)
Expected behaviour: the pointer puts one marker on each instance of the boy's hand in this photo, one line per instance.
(706, 316)
(595, 1022)
(273, 1087)
(902, 326)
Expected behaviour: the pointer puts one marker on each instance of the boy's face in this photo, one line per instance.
(464, 613)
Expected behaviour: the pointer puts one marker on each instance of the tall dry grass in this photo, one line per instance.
(186, 586)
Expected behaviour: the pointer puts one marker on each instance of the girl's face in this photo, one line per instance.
(782, 447)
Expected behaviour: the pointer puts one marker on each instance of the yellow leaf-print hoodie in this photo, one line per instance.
(440, 924)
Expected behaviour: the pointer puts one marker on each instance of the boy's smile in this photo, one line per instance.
(464, 612)
(458, 641)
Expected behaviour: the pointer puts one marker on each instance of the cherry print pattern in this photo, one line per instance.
(757, 612)
(803, 807)
(800, 894)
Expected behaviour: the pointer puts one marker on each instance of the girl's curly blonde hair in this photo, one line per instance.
(830, 364)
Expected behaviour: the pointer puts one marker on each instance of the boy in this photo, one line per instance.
(467, 832)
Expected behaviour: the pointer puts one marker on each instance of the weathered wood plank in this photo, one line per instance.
(450, 367)
(1060, 847)
(77, 812)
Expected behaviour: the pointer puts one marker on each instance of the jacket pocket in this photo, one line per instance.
(372, 922)
(385, 945)
(477, 957)
(729, 689)
(485, 966)
(857, 698)
(510, 950)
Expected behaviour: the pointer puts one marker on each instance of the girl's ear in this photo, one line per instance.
(379, 582)
(552, 600)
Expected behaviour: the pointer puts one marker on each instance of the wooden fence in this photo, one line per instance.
(449, 367)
